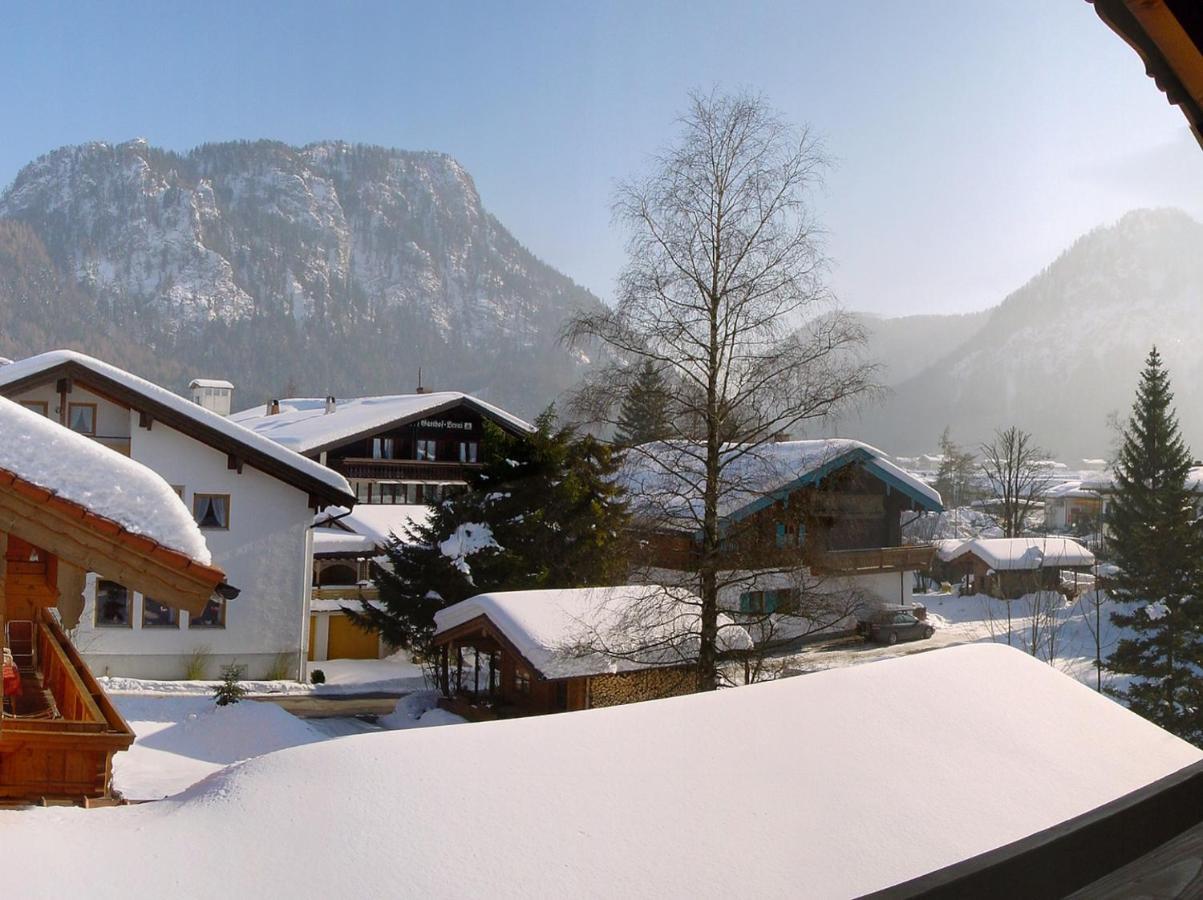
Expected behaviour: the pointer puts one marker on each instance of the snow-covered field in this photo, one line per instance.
(1062, 633)
(830, 785)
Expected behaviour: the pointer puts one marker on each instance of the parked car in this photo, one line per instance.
(889, 626)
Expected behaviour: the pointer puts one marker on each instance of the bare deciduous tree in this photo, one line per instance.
(724, 293)
(1018, 475)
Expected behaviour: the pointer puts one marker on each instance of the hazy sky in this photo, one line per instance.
(975, 139)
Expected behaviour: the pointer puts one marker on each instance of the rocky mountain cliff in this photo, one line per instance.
(328, 268)
(1061, 353)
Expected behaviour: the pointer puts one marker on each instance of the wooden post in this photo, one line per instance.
(459, 668)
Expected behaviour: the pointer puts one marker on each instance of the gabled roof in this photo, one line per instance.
(96, 509)
(303, 425)
(323, 485)
(562, 633)
(1021, 554)
(666, 476)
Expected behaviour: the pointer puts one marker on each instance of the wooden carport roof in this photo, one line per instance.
(1168, 36)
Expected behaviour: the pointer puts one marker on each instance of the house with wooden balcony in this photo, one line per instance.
(67, 507)
(398, 452)
(253, 500)
(820, 517)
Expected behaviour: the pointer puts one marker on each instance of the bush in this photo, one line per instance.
(229, 690)
(317, 676)
(280, 667)
(198, 662)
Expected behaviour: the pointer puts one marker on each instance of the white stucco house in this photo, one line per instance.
(253, 499)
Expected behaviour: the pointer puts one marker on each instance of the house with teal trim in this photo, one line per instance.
(800, 519)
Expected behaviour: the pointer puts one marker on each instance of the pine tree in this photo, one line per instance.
(1157, 544)
(644, 414)
(543, 512)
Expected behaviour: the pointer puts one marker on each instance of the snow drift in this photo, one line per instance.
(774, 789)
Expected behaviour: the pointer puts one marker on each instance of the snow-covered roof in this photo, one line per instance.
(335, 540)
(1070, 490)
(1105, 483)
(666, 476)
(211, 383)
(608, 802)
(303, 425)
(260, 451)
(376, 522)
(562, 632)
(947, 549)
(1024, 553)
(101, 480)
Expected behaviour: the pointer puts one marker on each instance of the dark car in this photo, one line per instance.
(892, 626)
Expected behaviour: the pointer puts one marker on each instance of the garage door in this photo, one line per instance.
(349, 642)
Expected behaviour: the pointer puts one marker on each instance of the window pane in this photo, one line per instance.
(214, 616)
(156, 615)
(112, 605)
(81, 418)
(211, 510)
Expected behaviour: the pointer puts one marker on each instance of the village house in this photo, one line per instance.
(815, 517)
(1008, 568)
(1074, 506)
(397, 452)
(69, 506)
(517, 653)
(252, 499)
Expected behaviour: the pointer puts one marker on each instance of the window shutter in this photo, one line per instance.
(780, 534)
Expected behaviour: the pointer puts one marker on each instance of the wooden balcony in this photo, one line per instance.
(59, 731)
(404, 469)
(873, 559)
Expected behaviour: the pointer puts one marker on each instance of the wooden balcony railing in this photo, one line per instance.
(404, 469)
(873, 559)
(68, 753)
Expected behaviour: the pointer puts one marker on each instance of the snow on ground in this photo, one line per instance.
(419, 710)
(182, 739)
(639, 800)
(977, 618)
(393, 674)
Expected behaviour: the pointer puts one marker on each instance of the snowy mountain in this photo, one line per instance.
(327, 268)
(1064, 351)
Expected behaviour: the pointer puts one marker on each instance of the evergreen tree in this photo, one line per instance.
(1157, 544)
(543, 512)
(644, 414)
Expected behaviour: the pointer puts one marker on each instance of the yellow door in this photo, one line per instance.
(348, 642)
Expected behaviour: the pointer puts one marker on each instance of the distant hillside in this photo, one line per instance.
(1062, 352)
(327, 268)
(905, 346)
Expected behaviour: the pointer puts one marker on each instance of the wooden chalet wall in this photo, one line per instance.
(849, 510)
(520, 689)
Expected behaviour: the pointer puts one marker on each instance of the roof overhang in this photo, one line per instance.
(91, 542)
(320, 493)
(1168, 37)
(856, 456)
(466, 401)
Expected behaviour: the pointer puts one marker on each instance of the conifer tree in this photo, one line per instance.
(1157, 543)
(543, 512)
(643, 416)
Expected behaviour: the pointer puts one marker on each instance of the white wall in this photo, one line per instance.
(265, 554)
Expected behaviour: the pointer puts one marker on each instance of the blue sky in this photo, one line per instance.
(974, 140)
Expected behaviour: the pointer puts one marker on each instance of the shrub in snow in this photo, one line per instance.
(317, 676)
(229, 690)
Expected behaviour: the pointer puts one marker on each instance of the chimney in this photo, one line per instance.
(781, 437)
(421, 390)
(331, 405)
(214, 394)
(273, 408)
